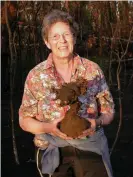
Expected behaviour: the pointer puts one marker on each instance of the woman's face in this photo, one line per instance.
(60, 40)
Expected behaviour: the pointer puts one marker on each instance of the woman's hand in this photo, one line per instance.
(54, 131)
(35, 126)
(89, 131)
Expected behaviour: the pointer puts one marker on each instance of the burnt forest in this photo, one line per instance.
(105, 37)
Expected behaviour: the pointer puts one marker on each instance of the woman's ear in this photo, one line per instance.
(47, 44)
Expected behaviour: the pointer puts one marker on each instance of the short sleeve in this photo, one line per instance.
(28, 106)
(104, 97)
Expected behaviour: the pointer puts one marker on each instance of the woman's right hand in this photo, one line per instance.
(54, 131)
(35, 126)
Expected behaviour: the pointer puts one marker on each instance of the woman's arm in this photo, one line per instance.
(37, 127)
(105, 106)
(29, 111)
(105, 119)
(33, 126)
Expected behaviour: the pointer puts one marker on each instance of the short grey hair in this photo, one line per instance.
(58, 16)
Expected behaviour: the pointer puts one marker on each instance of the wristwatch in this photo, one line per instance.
(100, 123)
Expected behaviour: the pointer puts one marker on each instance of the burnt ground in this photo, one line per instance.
(121, 158)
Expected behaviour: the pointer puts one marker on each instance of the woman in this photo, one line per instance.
(40, 113)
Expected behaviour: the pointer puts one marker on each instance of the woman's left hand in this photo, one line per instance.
(89, 131)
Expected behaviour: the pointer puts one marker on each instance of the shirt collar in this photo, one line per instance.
(49, 62)
(77, 61)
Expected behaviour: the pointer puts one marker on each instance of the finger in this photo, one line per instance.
(57, 133)
(60, 134)
(89, 119)
(68, 138)
(92, 121)
(52, 134)
(91, 129)
(63, 135)
(87, 132)
(59, 120)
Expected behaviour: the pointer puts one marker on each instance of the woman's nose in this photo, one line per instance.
(62, 38)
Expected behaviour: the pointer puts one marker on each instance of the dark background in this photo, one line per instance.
(99, 23)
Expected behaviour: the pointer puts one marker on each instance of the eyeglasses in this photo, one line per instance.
(67, 35)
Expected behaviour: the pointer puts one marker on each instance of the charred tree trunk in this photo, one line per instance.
(12, 61)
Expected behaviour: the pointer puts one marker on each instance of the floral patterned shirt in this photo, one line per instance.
(38, 100)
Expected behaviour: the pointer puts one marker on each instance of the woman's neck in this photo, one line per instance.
(63, 63)
(65, 67)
